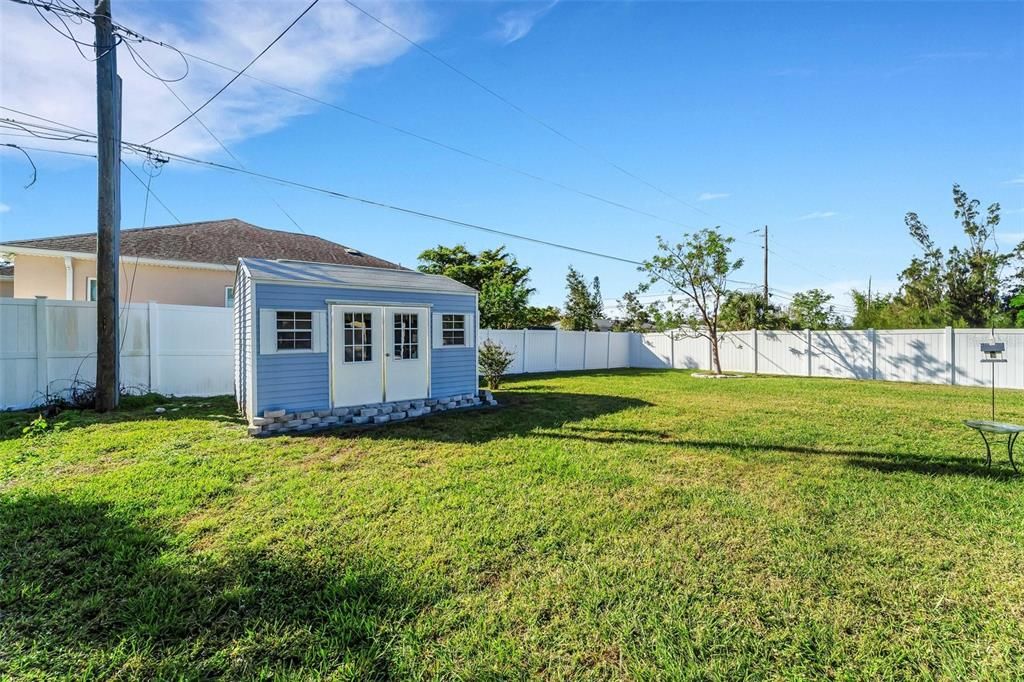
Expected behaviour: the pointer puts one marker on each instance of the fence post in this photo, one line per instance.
(874, 352)
(608, 350)
(153, 340)
(951, 345)
(558, 332)
(525, 337)
(672, 350)
(754, 346)
(42, 348)
(585, 348)
(810, 361)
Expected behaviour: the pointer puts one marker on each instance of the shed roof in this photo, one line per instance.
(351, 276)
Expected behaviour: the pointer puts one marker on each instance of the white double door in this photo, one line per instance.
(379, 353)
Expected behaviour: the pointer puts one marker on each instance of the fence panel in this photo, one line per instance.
(842, 354)
(736, 351)
(650, 350)
(619, 344)
(571, 346)
(920, 355)
(691, 352)
(595, 354)
(782, 352)
(47, 346)
(194, 352)
(971, 371)
(542, 350)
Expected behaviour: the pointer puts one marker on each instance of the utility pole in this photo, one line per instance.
(108, 215)
(766, 267)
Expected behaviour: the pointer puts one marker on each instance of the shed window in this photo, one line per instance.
(358, 337)
(407, 336)
(453, 330)
(90, 289)
(294, 330)
(229, 297)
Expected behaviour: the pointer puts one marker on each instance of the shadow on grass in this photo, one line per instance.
(521, 414)
(889, 462)
(132, 409)
(85, 591)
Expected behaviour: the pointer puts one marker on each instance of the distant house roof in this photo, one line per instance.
(215, 241)
(290, 271)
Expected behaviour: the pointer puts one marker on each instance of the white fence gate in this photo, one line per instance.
(188, 350)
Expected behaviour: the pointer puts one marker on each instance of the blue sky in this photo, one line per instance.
(825, 121)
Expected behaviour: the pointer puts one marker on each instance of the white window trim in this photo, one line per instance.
(88, 289)
(267, 321)
(232, 288)
(468, 329)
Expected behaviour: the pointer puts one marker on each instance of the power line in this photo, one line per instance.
(369, 202)
(134, 35)
(237, 75)
(536, 119)
(379, 204)
(423, 138)
(198, 120)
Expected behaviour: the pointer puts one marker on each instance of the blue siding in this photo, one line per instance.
(301, 381)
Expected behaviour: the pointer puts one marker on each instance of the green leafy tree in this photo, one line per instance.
(542, 316)
(503, 283)
(697, 269)
(583, 302)
(813, 309)
(636, 316)
(963, 286)
(748, 310)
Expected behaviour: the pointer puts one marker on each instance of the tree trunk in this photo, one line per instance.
(715, 360)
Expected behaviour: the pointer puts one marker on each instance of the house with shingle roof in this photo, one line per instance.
(187, 264)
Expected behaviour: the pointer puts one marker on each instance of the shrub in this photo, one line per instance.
(494, 360)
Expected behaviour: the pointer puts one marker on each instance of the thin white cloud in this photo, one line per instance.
(45, 75)
(818, 215)
(1019, 180)
(711, 196)
(515, 24)
(4, 208)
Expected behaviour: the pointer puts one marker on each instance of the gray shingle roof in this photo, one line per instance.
(215, 241)
(352, 276)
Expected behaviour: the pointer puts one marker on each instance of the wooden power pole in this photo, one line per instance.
(766, 267)
(108, 225)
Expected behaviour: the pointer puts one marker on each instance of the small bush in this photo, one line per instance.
(494, 360)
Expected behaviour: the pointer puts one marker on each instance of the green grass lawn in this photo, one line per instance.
(628, 524)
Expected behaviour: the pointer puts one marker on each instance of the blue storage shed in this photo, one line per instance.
(324, 338)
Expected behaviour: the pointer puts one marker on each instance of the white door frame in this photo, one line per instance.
(371, 372)
(385, 338)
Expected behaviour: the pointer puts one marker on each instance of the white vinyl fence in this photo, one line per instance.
(935, 356)
(46, 345)
(557, 351)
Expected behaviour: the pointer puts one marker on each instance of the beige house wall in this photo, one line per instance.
(39, 276)
(42, 275)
